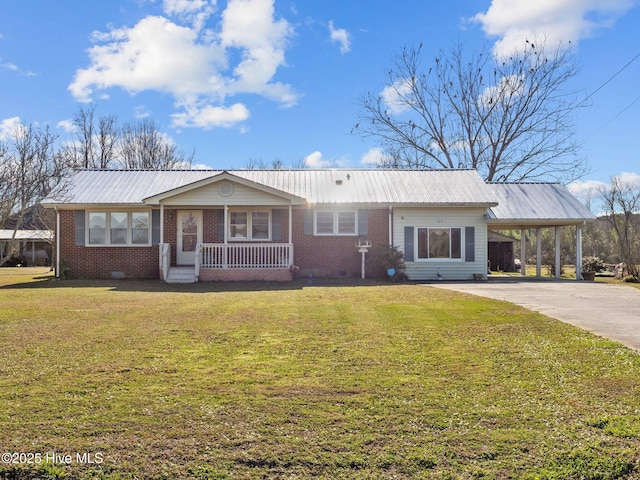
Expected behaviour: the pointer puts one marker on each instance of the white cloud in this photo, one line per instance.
(315, 160)
(67, 126)
(514, 21)
(397, 96)
(209, 116)
(8, 127)
(374, 157)
(584, 189)
(508, 87)
(194, 11)
(630, 179)
(340, 36)
(191, 64)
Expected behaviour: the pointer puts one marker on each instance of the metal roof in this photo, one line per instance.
(417, 187)
(536, 203)
(33, 235)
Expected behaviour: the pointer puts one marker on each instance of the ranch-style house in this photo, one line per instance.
(235, 225)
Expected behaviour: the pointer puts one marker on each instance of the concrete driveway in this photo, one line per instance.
(611, 311)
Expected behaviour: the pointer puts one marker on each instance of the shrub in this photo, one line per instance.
(382, 257)
(592, 264)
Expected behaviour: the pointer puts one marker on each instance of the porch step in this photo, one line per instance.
(181, 275)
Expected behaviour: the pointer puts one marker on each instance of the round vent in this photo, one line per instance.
(225, 189)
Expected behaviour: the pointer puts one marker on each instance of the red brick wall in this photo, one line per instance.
(335, 255)
(100, 262)
(316, 255)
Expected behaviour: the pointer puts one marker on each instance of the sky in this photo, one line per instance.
(244, 81)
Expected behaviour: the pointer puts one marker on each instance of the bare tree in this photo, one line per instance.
(510, 118)
(95, 142)
(142, 146)
(621, 202)
(30, 168)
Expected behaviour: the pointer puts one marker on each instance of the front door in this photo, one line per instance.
(189, 235)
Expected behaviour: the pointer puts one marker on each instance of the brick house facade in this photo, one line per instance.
(204, 225)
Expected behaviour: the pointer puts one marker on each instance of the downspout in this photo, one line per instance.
(390, 225)
(161, 222)
(57, 242)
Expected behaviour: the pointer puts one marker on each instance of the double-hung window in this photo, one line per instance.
(249, 225)
(118, 228)
(439, 243)
(341, 222)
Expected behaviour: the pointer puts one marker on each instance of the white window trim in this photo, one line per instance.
(108, 229)
(249, 237)
(335, 213)
(417, 258)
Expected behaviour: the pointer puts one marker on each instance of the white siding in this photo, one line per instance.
(449, 217)
(241, 195)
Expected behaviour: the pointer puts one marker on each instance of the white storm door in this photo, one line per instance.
(189, 235)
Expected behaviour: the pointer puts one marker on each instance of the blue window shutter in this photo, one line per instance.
(80, 227)
(363, 222)
(155, 227)
(308, 222)
(469, 244)
(276, 225)
(408, 244)
(220, 225)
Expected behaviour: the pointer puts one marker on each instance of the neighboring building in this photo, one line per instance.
(27, 242)
(271, 224)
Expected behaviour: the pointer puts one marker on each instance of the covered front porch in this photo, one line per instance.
(230, 262)
(225, 229)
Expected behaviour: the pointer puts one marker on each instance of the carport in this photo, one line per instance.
(536, 206)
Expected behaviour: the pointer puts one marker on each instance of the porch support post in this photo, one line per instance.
(57, 243)
(578, 252)
(523, 252)
(226, 223)
(33, 252)
(558, 266)
(225, 251)
(290, 224)
(538, 252)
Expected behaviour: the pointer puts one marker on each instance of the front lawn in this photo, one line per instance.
(126, 379)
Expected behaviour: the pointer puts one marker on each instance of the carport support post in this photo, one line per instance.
(558, 267)
(538, 252)
(523, 252)
(578, 252)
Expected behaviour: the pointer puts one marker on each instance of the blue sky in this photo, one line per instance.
(261, 80)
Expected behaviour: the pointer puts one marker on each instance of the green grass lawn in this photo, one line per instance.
(369, 381)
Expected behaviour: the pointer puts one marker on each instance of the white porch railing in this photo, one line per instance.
(165, 259)
(246, 255)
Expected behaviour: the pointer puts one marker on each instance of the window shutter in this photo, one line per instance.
(469, 244)
(220, 225)
(276, 225)
(408, 244)
(155, 227)
(363, 222)
(80, 228)
(308, 222)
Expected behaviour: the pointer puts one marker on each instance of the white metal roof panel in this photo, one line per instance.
(97, 187)
(420, 187)
(446, 187)
(536, 202)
